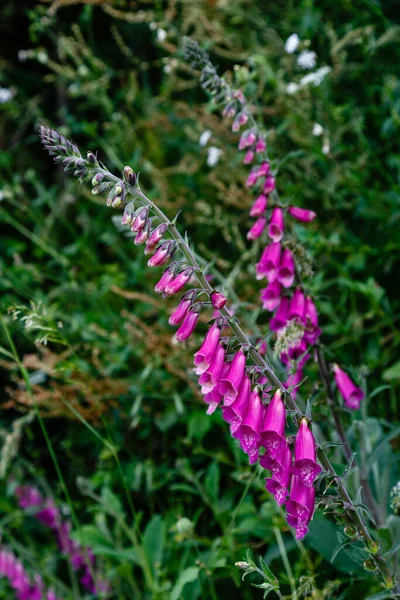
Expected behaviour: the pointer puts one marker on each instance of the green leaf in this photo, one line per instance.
(111, 502)
(154, 540)
(267, 572)
(393, 549)
(392, 372)
(211, 481)
(89, 535)
(187, 576)
(382, 596)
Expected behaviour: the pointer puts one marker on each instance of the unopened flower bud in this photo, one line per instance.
(128, 214)
(98, 189)
(91, 158)
(143, 234)
(218, 300)
(130, 176)
(242, 564)
(369, 565)
(98, 178)
(350, 531)
(117, 202)
(140, 220)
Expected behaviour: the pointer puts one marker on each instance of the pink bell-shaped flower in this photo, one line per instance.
(230, 384)
(280, 319)
(276, 225)
(257, 229)
(188, 326)
(352, 394)
(305, 466)
(248, 431)
(203, 357)
(273, 425)
(278, 484)
(301, 214)
(270, 296)
(259, 206)
(286, 269)
(269, 262)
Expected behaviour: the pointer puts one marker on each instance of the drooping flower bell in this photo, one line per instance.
(234, 412)
(211, 375)
(278, 484)
(183, 308)
(166, 278)
(312, 331)
(259, 206)
(352, 394)
(300, 507)
(163, 254)
(257, 229)
(203, 357)
(297, 305)
(269, 184)
(229, 385)
(270, 296)
(305, 466)
(218, 300)
(188, 325)
(248, 431)
(214, 397)
(301, 214)
(286, 269)
(273, 426)
(269, 262)
(276, 225)
(177, 283)
(280, 319)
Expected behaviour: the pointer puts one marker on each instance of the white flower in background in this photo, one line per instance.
(42, 57)
(153, 26)
(307, 59)
(167, 68)
(326, 148)
(5, 95)
(316, 78)
(205, 136)
(213, 156)
(292, 88)
(161, 35)
(23, 55)
(292, 43)
(317, 129)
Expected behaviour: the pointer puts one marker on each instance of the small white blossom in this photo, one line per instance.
(292, 88)
(292, 43)
(161, 35)
(213, 156)
(6, 94)
(326, 148)
(316, 78)
(42, 57)
(307, 59)
(205, 136)
(167, 68)
(317, 129)
(153, 26)
(23, 55)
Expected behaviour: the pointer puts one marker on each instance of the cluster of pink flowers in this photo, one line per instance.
(277, 264)
(25, 589)
(48, 514)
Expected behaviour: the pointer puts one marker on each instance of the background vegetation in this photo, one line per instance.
(86, 344)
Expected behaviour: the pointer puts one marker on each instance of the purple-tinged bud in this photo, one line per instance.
(210, 375)
(91, 158)
(49, 515)
(276, 225)
(178, 282)
(183, 308)
(294, 379)
(278, 485)
(352, 394)
(130, 176)
(218, 300)
(248, 431)
(129, 211)
(259, 206)
(188, 326)
(248, 157)
(297, 306)
(143, 234)
(274, 425)
(163, 254)
(28, 496)
(229, 110)
(252, 179)
(305, 466)
(300, 507)
(280, 319)
(166, 277)
(262, 348)
(261, 146)
(263, 169)
(140, 220)
(247, 139)
(238, 95)
(301, 214)
(286, 269)
(257, 229)
(269, 262)
(269, 185)
(270, 296)
(116, 195)
(234, 413)
(229, 386)
(243, 118)
(203, 357)
(98, 178)
(157, 234)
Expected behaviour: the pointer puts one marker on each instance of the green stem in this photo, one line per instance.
(286, 562)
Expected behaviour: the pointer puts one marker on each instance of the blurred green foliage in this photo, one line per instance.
(162, 493)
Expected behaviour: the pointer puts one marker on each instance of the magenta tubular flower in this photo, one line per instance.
(28, 496)
(297, 305)
(270, 295)
(273, 426)
(188, 326)
(280, 319)
(183, 308)
(214, 397)
(261, 146)
(248, 157)
(166, 278)
(248, 430)
(157, 235)
(276, 225)
(140, 220)
(269, 185)
(263, 169)
(352, 394)
(211, 375)
(269, 262)
(175, 286)
(142, 234)
(49, 515)
(247, 139)
(203, 357)
(127, 217)
(286, 269)
(300, 507)
(229, 385)
(305, 467)
(252, 179)
(312, 331)
(278, 484)
(162, 255)
(301, 214)
(259, 206)
(233, 413)
(218, 300)
(257, 228)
